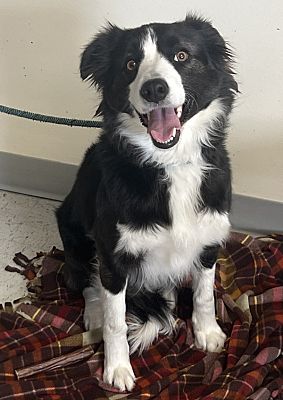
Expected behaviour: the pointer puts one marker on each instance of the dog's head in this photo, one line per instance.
(160, 74)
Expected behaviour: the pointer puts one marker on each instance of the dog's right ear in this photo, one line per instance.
(96, 58)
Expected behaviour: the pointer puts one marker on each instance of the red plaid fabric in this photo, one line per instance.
(249, 302)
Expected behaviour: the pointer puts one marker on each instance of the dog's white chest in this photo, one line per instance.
(169, 253)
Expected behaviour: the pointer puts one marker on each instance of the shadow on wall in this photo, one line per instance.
(40, 46)
(257, 157)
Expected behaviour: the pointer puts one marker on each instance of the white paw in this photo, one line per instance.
(122, 376)
(211, 339)
(92, 315)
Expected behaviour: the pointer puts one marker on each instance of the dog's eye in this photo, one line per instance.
(181, 56)
(131, 65)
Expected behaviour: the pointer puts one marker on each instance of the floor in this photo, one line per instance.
(28, 225)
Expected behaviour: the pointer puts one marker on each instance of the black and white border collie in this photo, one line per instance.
(150, 203)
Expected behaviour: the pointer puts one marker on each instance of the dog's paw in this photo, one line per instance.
(122, 376)
(211, 339)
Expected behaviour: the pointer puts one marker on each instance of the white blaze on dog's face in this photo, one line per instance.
(155, 66)
(157, 94)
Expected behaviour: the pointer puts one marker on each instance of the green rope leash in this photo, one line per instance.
(51, 119)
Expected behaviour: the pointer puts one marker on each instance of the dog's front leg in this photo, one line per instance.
(117, 367)
(208, 334)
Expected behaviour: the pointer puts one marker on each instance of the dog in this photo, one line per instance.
(150, 203)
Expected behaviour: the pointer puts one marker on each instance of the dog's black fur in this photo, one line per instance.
(112, 184)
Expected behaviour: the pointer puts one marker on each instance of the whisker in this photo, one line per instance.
(190, 97)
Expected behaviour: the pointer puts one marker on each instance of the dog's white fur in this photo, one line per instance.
(117, 366)
(141, 336)
(194, 132)
(208, 335)
(171, 254)
(154, 65)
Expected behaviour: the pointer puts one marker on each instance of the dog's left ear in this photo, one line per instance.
(96, 58)
(219, 53)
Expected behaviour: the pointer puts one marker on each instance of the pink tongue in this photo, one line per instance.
(161, 123)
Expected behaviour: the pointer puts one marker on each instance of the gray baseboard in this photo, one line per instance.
(256, 215)
(53, 180)
(35, 176)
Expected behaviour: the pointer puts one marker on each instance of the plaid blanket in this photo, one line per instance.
(45, 353)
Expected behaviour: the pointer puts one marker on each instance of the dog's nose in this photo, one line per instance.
(154, 90)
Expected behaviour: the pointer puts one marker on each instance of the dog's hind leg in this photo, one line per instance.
(79, 249)
(81, 269)
(93, 314)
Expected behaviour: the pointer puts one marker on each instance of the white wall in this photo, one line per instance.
(40, 45)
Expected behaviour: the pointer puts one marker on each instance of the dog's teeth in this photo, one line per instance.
(169, 140)
(179, 111)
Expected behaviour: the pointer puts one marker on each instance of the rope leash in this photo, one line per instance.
(50, 119)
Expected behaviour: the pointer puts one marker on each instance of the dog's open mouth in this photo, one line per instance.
(163, 125)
